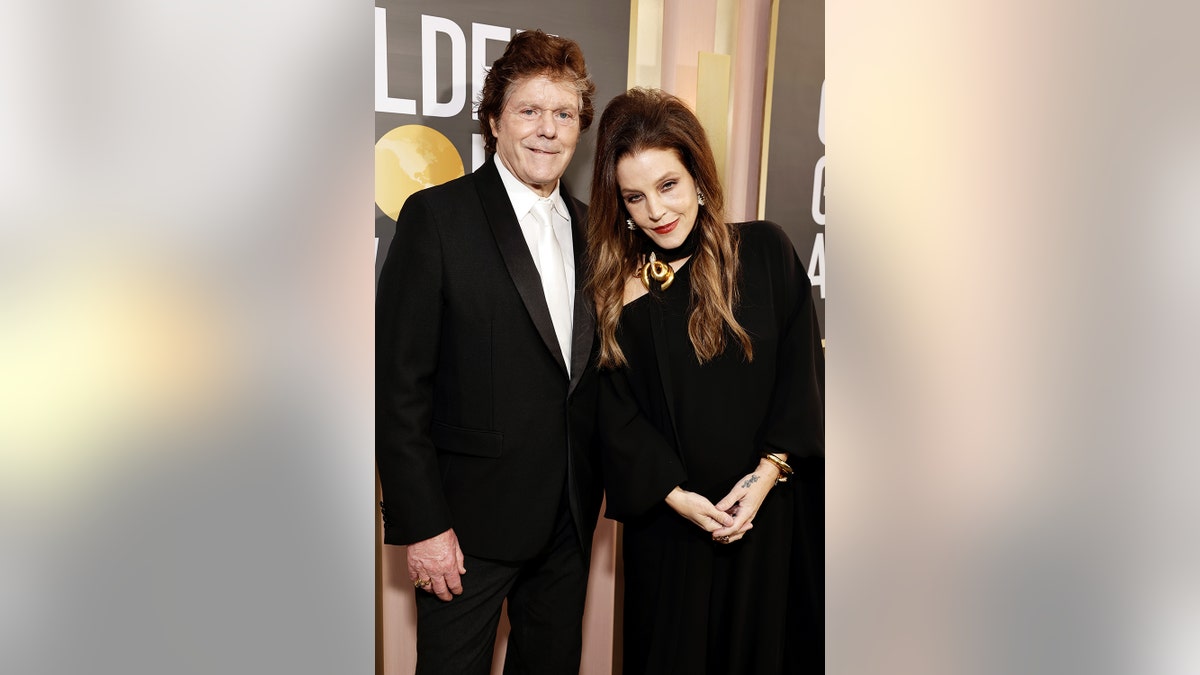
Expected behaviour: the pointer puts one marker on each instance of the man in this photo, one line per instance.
(485, 382)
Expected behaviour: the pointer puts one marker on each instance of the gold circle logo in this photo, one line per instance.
(410, 158)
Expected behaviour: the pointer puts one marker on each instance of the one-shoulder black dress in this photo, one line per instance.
(691, 605)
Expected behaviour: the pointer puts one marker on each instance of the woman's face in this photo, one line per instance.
(660, 195)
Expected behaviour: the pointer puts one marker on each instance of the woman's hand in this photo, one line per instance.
(743, 501)
(696, 508)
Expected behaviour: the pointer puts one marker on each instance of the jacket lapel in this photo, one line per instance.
(584, 327)
(518, 259)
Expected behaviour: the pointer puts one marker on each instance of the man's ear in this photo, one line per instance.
(493, 126)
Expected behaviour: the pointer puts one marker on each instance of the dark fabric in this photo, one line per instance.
(545, 611)
(806, 593)
(476, 419)
(693, 606)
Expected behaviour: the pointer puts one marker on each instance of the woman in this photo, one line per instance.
(710, 388)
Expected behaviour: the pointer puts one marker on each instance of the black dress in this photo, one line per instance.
(691, 605)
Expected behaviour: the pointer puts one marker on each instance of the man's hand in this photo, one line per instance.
(434, 565)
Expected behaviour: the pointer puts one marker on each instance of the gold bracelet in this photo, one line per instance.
(785, 469)
(779, 462)
(781, 477)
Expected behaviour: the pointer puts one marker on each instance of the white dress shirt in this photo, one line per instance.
(523, 199)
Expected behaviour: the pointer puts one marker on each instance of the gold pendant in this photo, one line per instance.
(659, 271)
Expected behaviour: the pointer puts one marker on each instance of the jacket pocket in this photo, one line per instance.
(474, 442)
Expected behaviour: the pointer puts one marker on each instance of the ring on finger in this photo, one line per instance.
(723, 540)
(422, 583)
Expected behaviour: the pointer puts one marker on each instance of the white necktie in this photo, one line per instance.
(554, 277)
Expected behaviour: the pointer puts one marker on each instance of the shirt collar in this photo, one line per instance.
(523, 197)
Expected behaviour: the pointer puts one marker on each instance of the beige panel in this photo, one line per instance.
(399, 613)
(688, 30)
(712, 104)
(645, 43)
(766, 138)
(725, 36)
(747, 89)
(601, 620)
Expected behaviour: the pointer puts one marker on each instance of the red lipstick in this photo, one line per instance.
(666, 229)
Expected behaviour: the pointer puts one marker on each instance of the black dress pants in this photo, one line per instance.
(545, 612)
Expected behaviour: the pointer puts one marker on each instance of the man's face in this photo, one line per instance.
(537, 130)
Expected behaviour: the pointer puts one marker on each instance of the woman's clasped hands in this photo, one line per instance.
(743, 502)
(731, 518)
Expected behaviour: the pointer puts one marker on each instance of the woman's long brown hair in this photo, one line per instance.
(645, 119)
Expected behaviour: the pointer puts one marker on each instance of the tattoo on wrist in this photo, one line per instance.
(750, 481)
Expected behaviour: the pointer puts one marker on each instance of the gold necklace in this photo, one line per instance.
(659, 271)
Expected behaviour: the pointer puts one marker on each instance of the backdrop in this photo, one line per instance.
(794, 194)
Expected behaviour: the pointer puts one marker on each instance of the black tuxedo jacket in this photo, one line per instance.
(478, 426)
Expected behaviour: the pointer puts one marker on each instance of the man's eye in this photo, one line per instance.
(565, 116)
(528, 112)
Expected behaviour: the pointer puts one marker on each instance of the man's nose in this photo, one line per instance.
(546, 124)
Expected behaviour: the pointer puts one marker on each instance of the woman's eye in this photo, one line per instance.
(632, 199)
(668, 185)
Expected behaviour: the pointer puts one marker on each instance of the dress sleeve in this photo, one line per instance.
(640, 465)
(408, 331)
(797, 420)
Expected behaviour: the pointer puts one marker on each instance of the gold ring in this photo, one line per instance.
(421, 583)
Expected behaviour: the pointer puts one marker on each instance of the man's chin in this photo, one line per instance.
(549, 177)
